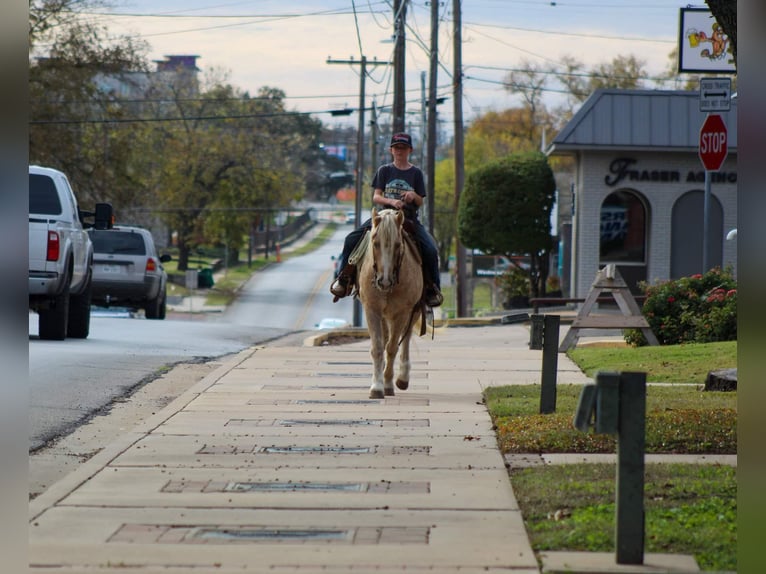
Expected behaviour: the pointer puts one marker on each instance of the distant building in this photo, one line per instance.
(638, 189)
(176, 71)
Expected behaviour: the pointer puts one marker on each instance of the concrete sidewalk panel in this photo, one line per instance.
(302, 424)
(389, 450)
(362, 488)
(258, 539)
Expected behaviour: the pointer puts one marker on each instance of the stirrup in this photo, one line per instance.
(434, 297)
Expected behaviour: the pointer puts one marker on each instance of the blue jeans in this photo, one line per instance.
(428, 249)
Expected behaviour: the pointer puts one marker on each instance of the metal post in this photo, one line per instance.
(550, 364)
(706, 225)
(631, 439)
(457, 79)
(400, 15)
(432, 79)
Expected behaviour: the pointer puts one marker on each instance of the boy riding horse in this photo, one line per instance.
(398, 185)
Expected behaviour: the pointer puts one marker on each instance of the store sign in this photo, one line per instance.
(703, 46)
(624, 170)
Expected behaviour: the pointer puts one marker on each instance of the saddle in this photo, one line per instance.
(361, 247)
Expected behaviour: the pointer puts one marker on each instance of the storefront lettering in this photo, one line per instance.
(621, 170)
(715, 177)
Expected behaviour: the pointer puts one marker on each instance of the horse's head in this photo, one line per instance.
(387, 247)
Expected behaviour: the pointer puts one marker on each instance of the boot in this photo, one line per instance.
(344, 283)
(341, 286)
(433, 296)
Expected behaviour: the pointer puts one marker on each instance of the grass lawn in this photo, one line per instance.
(690, 509)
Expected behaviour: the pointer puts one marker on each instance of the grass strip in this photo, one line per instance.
(689, 509)
(680, 419)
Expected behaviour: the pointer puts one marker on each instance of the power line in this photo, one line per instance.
(574, 34)
(177, 119)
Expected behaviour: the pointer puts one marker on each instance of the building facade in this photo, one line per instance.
(639, 190)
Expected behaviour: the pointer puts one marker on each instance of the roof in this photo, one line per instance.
(648, 120)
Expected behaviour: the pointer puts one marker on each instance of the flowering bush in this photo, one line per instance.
(696, 309)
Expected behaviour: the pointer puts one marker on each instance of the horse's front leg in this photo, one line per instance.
(392, 346)
(403, 378)
(375, 328)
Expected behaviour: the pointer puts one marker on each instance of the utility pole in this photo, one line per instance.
(400, 13)
(423, 121)
(457, 73)
(359, 156)
(431, 162)
(373, 139)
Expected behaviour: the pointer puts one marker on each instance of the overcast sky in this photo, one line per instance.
(286, 44)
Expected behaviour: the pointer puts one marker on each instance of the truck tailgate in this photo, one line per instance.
(38, 242)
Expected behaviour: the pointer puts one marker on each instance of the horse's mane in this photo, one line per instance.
(387, 225)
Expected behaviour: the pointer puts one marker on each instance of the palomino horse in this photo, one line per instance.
(390, 282)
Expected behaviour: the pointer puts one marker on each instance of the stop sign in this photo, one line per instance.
(713, 146)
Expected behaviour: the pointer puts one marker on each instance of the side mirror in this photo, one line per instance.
(104, 216)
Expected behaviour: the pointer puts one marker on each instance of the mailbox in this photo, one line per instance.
(586, 407)
(600, 404)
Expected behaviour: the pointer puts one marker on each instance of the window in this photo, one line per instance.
(43, 195)
(113, 242)
(623, 228)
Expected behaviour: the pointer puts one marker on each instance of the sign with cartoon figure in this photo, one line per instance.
(703, 46)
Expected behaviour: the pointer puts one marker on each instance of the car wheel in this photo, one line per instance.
(79, 313)
(163, 307)
(155, 308)
(52, 323)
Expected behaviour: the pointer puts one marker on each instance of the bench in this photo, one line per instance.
(536, 301)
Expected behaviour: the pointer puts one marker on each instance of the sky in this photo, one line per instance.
(287, 44)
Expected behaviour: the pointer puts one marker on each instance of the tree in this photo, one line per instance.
(505, 209)
(71, 116)
(445, 222)
(625, 72)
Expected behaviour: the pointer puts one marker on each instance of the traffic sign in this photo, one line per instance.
(715, 94)
(713, 146)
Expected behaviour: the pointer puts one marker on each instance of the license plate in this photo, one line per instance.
(105, 268)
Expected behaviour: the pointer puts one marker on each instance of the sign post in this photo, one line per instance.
(713, 149)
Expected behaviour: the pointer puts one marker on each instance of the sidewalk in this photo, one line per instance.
(278, 462)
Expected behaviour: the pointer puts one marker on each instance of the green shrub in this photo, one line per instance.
(515, 283)
(696, 309)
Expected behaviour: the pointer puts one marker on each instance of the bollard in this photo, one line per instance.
(631, 444)
(617, 402)
(550, 364)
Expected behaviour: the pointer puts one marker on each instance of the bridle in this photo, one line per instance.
(398, 256)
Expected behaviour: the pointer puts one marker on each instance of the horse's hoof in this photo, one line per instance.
(403, 385)
(376, 394)
(389, 392)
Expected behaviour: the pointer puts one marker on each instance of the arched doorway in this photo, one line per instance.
(624, 223)
(687, 234)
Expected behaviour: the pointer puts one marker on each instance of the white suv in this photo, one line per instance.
(127, 271)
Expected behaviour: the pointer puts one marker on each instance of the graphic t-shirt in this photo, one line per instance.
(396, 182)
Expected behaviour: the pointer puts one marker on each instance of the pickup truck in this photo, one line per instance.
(60, 255)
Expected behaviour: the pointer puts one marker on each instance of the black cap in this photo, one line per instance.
(401, 138)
